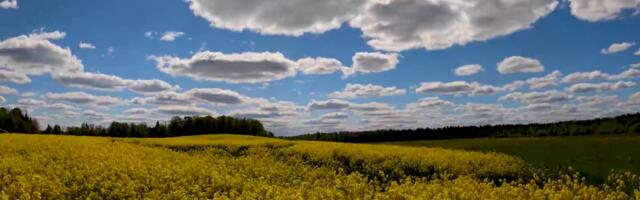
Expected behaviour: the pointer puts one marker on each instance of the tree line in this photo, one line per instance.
(13, 120)
(16, 122)
(624, 124)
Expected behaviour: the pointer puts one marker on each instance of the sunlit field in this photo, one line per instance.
(593, 156)
(247, 167)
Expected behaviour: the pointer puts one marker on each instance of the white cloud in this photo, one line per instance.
(371, 62)
(635, 66)
(248, 67)
(618, 47)
(551, 79)
(182, 110)
(34, 54)
(218, 96)
(600, 87)
(86, 45)
(352, 91)
(2, 99)
(369, 107)
(335, 115)
(519, 64)
(460, 87)
(7, 90)
(171, 36)
(392, 25)
(7, 4)
(150, 85)
(637, 53)
(83, 98)
(111, 82)
(429, 103)
(328, 104)
(551, 96)
(594, 75)
(164, 98)
(593, 101)
(319, 65)
(91, 80)
(282, 17)
(398, 25)
(583, 76)
(14, 76)
(137, 111)
(601, 10)
(59, 106)
(29, 102)
(468, 70)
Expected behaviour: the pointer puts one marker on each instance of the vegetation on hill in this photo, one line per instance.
(246, 167)
(624, 124)
(14, 121)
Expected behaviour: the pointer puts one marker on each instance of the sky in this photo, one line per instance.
(302, 66)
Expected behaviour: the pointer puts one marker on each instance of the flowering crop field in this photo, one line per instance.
(246, 167)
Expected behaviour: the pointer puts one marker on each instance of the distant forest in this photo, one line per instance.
(624, 124)
(14, 121)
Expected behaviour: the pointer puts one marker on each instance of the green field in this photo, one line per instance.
(592, 156)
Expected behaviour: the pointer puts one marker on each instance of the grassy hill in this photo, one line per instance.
(247, 167)
(593, 156)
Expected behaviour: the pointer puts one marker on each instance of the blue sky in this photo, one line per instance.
(303, 66)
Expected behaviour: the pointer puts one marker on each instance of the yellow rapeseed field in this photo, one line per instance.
(245, 167)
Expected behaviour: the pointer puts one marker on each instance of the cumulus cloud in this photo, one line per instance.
(248, 67)
(164, 98)
(137, 111)
(637, 53)
(468, 70)
(594, 75)
(551, 79)
(14, 76)
(398, 25)
(7, 90)
(519, 64)
(319, 65)
(635, 65)
(60, 106)
(335, 115)
(91, 80)
(600, 87)
(35, 54)
(86, 45)
(182, 110)
(151, 85)
(328, 104)
(372, 62)
(215, 95)
(171, 36)
(551, 96)
(9, 4)
(352, 91)
(618, 47)
(460, 87)
(583, 76)
(2, 99)
(429, 103)
(392, 25)
(369, 107)
(111, 82)
(282, 17)
(601, 10)
(83, 98)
